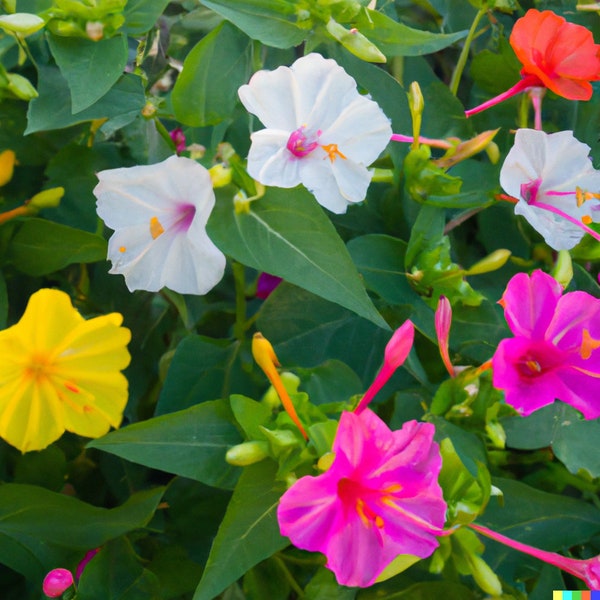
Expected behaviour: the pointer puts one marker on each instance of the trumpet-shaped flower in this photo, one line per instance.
(555, 185)
(159, 214)
(380, 498)
(559, 55)
(320, 131)
(554, 353)
(555, 54)
(60, 372)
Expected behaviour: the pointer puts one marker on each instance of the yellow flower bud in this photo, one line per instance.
(220, 175)
(7, 166)
(22, 24)
(491, 262)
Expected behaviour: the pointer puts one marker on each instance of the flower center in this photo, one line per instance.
(185, 216)
(300, 145)
(529, 193)
(38, 368)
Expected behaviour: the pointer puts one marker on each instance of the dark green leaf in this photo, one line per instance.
(52, 109)
(40, 247)
(286, 233)
(249, 532)
(191, 443)
(90, 68)
(141, 15)
(397, 39)
(206, 90)
(272, 22)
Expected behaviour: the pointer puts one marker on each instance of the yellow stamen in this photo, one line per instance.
(266, 359)
(586, 219)
(588, 345)
(156, 228)
(122, 249)
(333, 152)
(534, 365)
(360, 509)
(72, 387)
(582, 196)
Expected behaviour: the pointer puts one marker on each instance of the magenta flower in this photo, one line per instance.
(379, 499)
(266, 284)
(554, 354)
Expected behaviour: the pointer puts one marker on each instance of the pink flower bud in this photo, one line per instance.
(57, 582)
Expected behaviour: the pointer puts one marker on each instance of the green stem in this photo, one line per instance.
(464, 53)
(523, 116)
(164, 134)
(289, 577)
(239, 279)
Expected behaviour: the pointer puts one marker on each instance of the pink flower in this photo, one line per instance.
(379, 499)
(56, 582)
(554, 354)
(587, 570)
(266, 284)
(178, 138)
(443, 322)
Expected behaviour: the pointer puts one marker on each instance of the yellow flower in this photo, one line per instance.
(60, 372)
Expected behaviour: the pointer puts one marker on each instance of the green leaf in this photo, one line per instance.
(562, 428)
(287, 234)
(116, 573)
(52, 108)
(272, 22)
(40, 247)
(37, 525)
(249, 532)
(306, 331)
(397, 39)
(141, 15)
(90, 68)
(191, 443)
(201, 369)
(540, 519)
(206, 90)
(330, 383)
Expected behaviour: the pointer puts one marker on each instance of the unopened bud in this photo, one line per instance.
(7, 166)
(355, 42)
(220, 175)
(563, 268)
(47, 198)
(493, 152)
(290, 383)
(491, 262)
(247, 453)
(21, 87)
(57, 582)
(416, 104)
(325, 461)
(280, 439)
(22, 23)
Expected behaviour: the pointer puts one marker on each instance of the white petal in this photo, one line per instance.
(558, 233)
(352, 179)
(361, 131)
(317, 176)
(273, 97)
(269, 160)
(524, 162)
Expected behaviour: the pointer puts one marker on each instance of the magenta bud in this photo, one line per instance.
(57, 582)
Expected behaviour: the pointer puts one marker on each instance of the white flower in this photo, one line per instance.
(319, 131)
(555, 183)
(159, 214)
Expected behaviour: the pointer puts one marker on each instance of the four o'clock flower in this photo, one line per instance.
(159, 214)
(555, 351)
(555, 185)
(320, 131)
(555, 54)
(380, 498)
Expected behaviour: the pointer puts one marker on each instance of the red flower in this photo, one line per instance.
(561, 55)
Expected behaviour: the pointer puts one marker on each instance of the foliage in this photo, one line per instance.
(90, 86)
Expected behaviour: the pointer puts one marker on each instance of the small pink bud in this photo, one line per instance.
(443, 321)
(57, 582)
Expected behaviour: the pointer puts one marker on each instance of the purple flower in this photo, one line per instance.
(266, 284)
(554, 354)
(379, 499)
